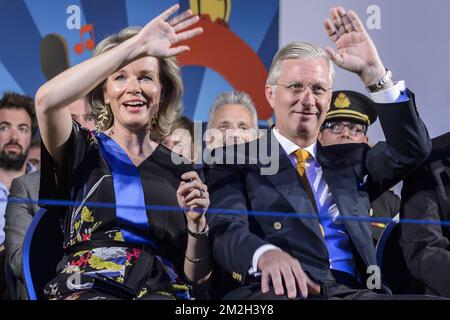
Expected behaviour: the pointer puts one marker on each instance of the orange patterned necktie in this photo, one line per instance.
(302, 156)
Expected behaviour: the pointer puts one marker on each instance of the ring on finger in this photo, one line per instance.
(202, 191)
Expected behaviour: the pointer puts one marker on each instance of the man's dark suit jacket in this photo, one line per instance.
(355, 175)
(18, 219)
(426, 196)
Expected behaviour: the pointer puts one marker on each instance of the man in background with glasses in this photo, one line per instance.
(347, 120)
(350, 115)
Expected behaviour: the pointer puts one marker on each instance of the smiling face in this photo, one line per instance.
(299, 116)
(133, 93)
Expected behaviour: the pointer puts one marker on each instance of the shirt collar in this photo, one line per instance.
(290, 147)
(4, 190)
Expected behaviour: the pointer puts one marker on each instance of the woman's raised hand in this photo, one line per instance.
(160, 36)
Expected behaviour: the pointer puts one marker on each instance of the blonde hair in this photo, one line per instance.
(170, 106)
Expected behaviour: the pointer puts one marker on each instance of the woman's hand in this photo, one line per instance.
(193, 195)
(159, 35)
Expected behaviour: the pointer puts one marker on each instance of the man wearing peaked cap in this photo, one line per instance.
(347, 120)
(352, 105)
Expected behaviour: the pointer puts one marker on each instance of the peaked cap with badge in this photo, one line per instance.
(351, 105)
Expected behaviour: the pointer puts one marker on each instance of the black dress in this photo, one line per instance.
(98, 262)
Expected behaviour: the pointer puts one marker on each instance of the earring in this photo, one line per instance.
(152, 122)
(103, 118)
(155, 119)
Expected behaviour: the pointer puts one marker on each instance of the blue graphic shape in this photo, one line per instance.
(192, 79)
(140, 12)
(20, 46)
(251, 19)
(108, 16)
(184, 5)
(270, 43)
(213, 84)
(8, 83)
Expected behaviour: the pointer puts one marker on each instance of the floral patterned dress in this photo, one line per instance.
(98, 262)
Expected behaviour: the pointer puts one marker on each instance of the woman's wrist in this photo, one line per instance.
(204, 258)
(198, 232)
(133, 48)
(196, 226)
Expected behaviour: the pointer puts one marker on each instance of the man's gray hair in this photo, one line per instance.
(297, 50)
(233, 97)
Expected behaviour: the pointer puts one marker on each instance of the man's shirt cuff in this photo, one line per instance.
(258, 253)
(394, 94)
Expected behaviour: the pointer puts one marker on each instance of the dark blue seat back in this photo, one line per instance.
(390, 259)
(42, 250)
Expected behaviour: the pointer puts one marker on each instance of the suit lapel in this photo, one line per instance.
(288, 184)
(341, 183)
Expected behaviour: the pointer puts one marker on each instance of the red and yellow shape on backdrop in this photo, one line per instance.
(221, 50)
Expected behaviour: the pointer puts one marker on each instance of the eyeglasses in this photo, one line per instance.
(297, 89)
(337, 127)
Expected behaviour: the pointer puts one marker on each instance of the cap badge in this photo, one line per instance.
(342, 101)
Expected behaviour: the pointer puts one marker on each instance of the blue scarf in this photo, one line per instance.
(128, 190)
